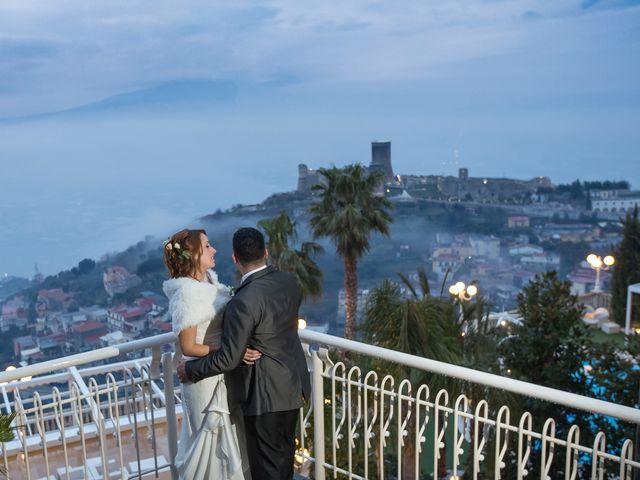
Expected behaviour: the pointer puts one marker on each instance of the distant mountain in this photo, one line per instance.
(168, 97)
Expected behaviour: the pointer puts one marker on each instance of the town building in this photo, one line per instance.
(126, 318)
(486, 246)
(54, 299)
(519, 250)
(118, 280)
(363, 295)
(87, 334)
(515, 222)
(13, 313)
(569, 232)
(618, 202)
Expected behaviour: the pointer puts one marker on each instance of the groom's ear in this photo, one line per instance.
(234, 259)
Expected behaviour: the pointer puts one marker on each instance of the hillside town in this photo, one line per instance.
(537, 227)
(63, 327)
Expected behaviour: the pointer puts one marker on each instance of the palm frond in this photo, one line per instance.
(282, 235)
(6, 430)
(407, 283)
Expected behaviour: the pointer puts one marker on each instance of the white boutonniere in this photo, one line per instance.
(232, 291)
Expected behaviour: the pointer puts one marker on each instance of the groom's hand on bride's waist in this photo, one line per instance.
(182, 372)
(251, 356)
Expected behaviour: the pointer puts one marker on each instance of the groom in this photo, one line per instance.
(263, 315)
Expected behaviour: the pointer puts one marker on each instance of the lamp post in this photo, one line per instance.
(631, 290)
(598, 263)
(463, 292)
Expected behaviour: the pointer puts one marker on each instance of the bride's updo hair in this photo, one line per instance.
(182, 252)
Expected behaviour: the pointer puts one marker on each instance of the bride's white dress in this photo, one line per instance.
(211, 443)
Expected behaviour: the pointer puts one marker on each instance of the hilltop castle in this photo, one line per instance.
(380, 161)
(436, 187)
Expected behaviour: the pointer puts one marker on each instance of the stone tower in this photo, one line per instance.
(307, 178)
(303, 176)
(381, 159)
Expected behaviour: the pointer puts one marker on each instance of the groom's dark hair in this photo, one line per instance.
(248, 245)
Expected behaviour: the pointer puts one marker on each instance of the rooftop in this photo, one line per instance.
(90, 326)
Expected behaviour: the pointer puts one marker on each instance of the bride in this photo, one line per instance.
(212, 440)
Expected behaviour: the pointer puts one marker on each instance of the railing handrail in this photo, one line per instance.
(86, 357)
(476, 376)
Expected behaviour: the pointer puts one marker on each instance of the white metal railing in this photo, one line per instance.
(382, 426)
(120, 420)
(116, 420)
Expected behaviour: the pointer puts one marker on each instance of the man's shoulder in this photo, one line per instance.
(274, 278)
(281, 275)
(284, 279)
(273, 275)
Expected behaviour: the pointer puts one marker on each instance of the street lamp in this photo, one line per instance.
(462, 291)
(598, 263)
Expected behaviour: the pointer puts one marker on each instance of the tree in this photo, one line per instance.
(613, 374)
(576, 191)
(152, 265)
(548, 348)
(413, 322)
(402, 318)
(409, 319)
(86, 265)
(347, 212)
(627, 267)
(282, 234)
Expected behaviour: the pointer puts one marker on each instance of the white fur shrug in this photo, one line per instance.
(192, 302)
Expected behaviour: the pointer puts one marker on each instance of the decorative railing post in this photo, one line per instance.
(317, 395)
(170, 409)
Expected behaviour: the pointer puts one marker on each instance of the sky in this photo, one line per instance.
(125, 118)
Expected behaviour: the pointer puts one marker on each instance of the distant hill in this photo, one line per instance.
(12, 285)
(412, 235)
(170, 97)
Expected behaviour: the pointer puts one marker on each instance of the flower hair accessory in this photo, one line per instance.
(181, 252)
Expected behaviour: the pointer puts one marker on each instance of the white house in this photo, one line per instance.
(485, 246)
(619, 204)
(519, 250)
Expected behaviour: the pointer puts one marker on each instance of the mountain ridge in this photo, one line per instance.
(170, 96)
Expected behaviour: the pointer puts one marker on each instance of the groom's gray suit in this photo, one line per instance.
(263, 314)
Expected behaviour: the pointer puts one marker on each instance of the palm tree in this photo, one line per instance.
(481, 343)
(6, 434)
(408, 319)
(347, 212)
(403, 318)
(281, 231)
(413, 322)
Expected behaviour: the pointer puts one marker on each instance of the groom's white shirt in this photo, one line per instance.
(248, 274)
